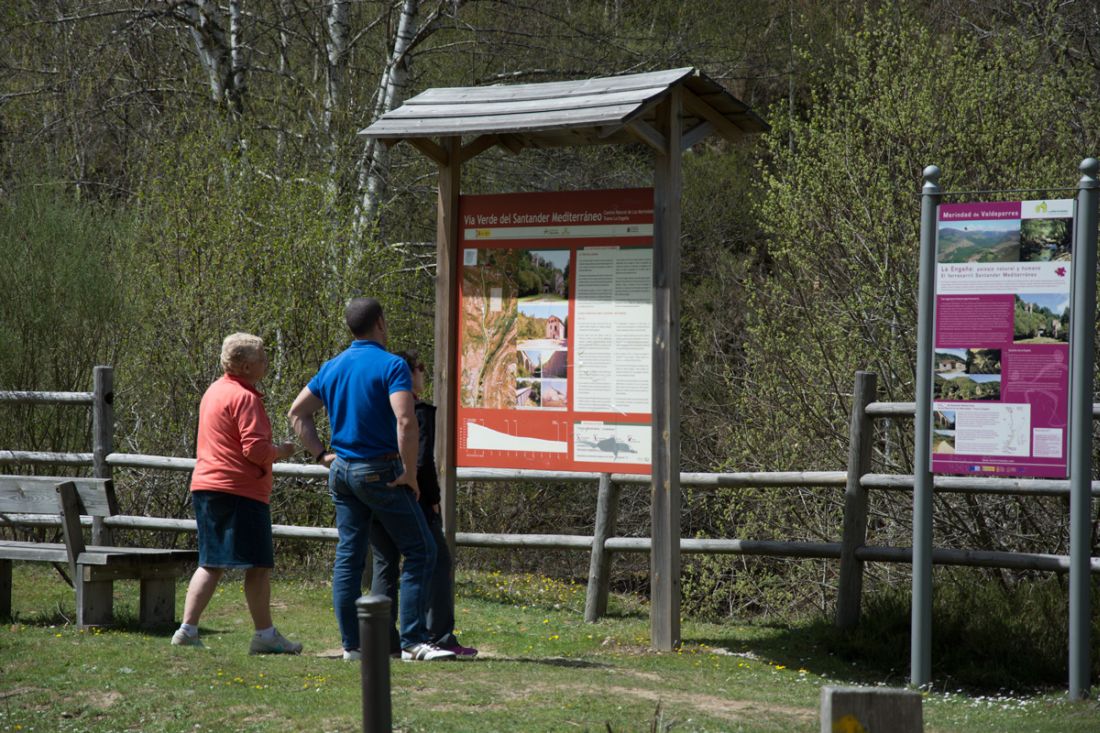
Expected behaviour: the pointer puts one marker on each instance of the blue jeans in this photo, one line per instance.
(360, 492)
(441, 610)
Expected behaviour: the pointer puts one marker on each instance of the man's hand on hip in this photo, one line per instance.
(407, 479)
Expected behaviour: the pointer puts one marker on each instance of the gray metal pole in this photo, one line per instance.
(861, 434)
(374, 663)
(1083, 317)
(103, 428)
(920, 651)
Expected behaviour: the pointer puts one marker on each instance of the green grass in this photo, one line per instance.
(541, 669)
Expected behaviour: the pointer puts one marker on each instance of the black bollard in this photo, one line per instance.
(374, 664)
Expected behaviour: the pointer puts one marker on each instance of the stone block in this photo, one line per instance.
(871, 710)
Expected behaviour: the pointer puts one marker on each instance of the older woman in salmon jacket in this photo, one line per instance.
(231, 493)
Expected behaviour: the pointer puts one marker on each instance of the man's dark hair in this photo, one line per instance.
(362, 315)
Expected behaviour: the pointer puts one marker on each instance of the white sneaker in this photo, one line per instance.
(352, 655)
(182, 638)
(278, 644)
(426, 653)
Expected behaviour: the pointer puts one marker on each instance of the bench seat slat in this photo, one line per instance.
(96, 555)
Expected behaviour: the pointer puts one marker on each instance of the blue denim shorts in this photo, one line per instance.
(234, 531)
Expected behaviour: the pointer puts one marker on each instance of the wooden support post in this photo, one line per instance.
(445, 380)
(599, 568)
(860, 440)
(103, 425)
(665, 506)
(94, 600)
(158, 602)
(5, 588)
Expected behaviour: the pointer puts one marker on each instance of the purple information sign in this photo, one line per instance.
(1001, 364)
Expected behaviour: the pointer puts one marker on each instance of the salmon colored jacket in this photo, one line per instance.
(234, 451)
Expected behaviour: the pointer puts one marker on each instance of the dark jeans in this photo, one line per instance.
(360, 492)
(441, 610)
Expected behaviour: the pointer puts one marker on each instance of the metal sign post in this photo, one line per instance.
(920, 654)
(1082, 325)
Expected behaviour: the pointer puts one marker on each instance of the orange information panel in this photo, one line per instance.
(555, 332)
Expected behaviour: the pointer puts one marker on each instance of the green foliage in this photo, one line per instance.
(987, 635)
(63, 310)
(62, 306)
(840, 208)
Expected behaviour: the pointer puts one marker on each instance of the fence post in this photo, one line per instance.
(1082, 372)
(860, 439)
(103, 427)
(374, 662)
(599, 567)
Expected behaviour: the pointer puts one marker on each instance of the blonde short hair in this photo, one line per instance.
(239, 349)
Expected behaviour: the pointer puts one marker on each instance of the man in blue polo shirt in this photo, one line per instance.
(367, 393)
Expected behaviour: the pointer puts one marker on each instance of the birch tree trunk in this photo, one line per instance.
(221, 57)
(336, 51)
(235, 92)
(373, 167)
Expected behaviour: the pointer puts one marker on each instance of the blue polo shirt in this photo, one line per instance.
(355, 387)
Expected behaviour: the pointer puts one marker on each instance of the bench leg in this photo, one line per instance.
(94, 601)
(158, 602)
(5, 588)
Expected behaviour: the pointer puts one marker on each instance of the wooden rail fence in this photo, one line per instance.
(852, 550)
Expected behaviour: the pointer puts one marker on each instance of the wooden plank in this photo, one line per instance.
(665, 486)
(963, 485)
(861, 435)
(466, 108)
(549, 90)
(103, 428)
(512, 143)
(122, 557)
(5, 588)
(38, 494)
(477, 146)
(56, 398)
(169, 463)
(645, 133)
(94, 602)
(135, 569)
(429, 148)
(44, 458)
(599, 566)
(697, 134)
(157, 599)
(445, 383)
(482, 124)
(722, 124)
(70, 525)
(33, 551)
(892, 409)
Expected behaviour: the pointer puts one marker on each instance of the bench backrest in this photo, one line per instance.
(38, 495)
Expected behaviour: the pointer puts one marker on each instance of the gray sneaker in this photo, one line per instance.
(181, 638)
(279, 644)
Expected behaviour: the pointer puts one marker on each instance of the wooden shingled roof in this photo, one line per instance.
(608, 110)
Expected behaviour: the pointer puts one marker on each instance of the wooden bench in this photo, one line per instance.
(93, 568)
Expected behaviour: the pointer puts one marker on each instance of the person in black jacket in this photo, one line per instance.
(386, 558)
